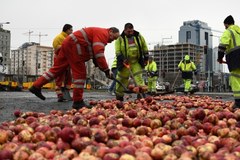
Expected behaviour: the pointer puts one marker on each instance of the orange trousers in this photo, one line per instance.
(67, 56)
(63, 80)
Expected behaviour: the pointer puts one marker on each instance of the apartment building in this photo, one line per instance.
(5, 39)
(31, 59)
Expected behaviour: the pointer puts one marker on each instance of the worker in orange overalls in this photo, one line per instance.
(65, 77)
(77, 48)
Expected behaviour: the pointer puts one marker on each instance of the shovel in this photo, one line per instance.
(132, 76)
(172, 90)
(65, 91)
(124, 87)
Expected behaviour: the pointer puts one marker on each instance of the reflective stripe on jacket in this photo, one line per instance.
(187, 69)
(91, 43)
(231, 41)
(230, 38)
(128, 50)
(114, 64)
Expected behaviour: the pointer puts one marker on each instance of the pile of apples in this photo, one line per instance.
(137, 89)
(166, 127)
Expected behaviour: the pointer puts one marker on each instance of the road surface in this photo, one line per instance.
(26, 101)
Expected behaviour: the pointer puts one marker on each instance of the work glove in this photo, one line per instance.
(108, 74)
(95, 62)
(153, 74)
(148, 74)
(220, 61)
(220, 55)
(195, 73)
(120, 61)
(125, 61)
(145, 58)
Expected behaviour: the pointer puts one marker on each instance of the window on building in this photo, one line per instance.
(206, 38)
(188, 35)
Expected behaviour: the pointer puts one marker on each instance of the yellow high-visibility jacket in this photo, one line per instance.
(114, 64)
(151, 68)
(230, 44)
(187, 69)
(136, 51)
(227, 40)
(57, 42)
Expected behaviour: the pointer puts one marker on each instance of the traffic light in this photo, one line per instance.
(205, 49)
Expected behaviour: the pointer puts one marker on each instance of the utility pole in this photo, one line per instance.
(29, 35)
(40, 35)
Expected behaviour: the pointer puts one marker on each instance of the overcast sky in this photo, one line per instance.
(154, 19)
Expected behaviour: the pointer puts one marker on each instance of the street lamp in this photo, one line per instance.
(220, 76)
(216, 37)
(162, 68)
(2, 23)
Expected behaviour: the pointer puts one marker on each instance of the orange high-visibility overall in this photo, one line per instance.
(77, 48)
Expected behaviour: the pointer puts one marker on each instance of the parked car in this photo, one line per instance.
(160, 87)
(181, 88)
(103, 88)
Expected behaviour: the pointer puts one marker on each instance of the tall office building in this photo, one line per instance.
(198, 33)
(195, 32)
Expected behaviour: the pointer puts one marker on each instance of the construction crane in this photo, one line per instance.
(40, 35)
(29, 35)
(2, 23)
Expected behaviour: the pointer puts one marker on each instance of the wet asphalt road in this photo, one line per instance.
(26, 101)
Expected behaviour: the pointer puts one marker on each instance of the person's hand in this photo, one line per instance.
(220, 61)
(125, 61)
(145, 60)
(148, 74)
(145, 63)
(95, 62)
(109, 74)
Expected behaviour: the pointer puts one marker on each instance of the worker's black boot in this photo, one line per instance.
(191, 92)
(149, 93)
(80, 104)
(237, 104)
(141, 95)
(37, 92)
(61, 99)
(120, 98)
(153, 94)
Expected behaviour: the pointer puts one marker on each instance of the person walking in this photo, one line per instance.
(187, 67)
(79, 47)
(65, 78)
(131, 49)
(230, 48)
(112, 89)
(152, 75)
